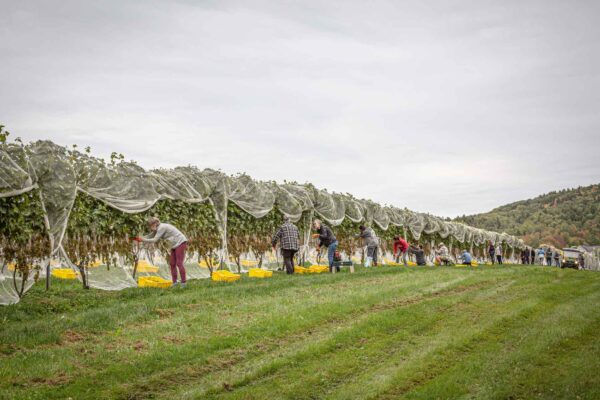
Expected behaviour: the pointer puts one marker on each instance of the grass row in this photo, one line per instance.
(382, 333)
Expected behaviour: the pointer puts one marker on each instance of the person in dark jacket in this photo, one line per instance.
(532, 256)
(288, 237)
(549, 257)
(326, 239)
(419, 254)
(492, 252)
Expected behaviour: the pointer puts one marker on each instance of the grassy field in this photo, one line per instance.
(386, 333)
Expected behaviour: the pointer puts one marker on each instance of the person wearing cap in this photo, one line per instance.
(371, 241)
(288, 237)
(326, 239)
(177, 241)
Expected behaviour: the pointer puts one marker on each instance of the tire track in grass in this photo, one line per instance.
(383, 331)
(436, 364)
(289, 347)
(475, 308)
(325, 325)
(145, 366)
(527, 359)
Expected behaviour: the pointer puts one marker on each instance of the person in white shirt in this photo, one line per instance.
(177, 241)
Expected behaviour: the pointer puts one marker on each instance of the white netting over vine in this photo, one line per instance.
(59, 174)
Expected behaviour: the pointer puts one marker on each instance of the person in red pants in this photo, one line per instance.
(177, 241)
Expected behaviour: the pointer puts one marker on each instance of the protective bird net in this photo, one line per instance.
(59, 174)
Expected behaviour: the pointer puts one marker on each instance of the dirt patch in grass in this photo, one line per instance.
(163, 313)
(72, 337)
(57, 380)
(440, 293)
(140, 345)
(173, 340)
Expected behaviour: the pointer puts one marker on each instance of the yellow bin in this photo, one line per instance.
(318, 269)
(259, 273)
(145, 266)
(225, 276)
(153, 281)
(300, 270)
(64, 273)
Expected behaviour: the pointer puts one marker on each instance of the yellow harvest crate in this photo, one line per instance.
(64, 273)
(225, 276)
(474, 264)
(95, 264)
(154, 281)
(145, 266)
(317, 269)
(248, 263)
(411, 264)
(300, 270)
(204, 264)
(392, 263)
(259, 273)
(12, 266)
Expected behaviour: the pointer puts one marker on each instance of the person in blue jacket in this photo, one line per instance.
(467, 258)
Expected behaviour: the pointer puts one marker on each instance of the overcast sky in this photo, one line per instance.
(448, 107)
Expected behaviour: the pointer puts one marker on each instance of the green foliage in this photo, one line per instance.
(563, 218)
(247, 234)
(96, 230)
(23, 238)
(3, 135)
(346, 235)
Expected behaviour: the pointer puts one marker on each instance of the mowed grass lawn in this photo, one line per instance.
(383, 333)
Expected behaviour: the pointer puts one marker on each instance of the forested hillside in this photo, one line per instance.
(562, 218)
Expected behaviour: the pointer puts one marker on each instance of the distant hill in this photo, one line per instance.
(563, 218)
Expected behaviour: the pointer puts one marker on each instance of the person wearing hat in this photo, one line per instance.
(177, 241)
(288, 237)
